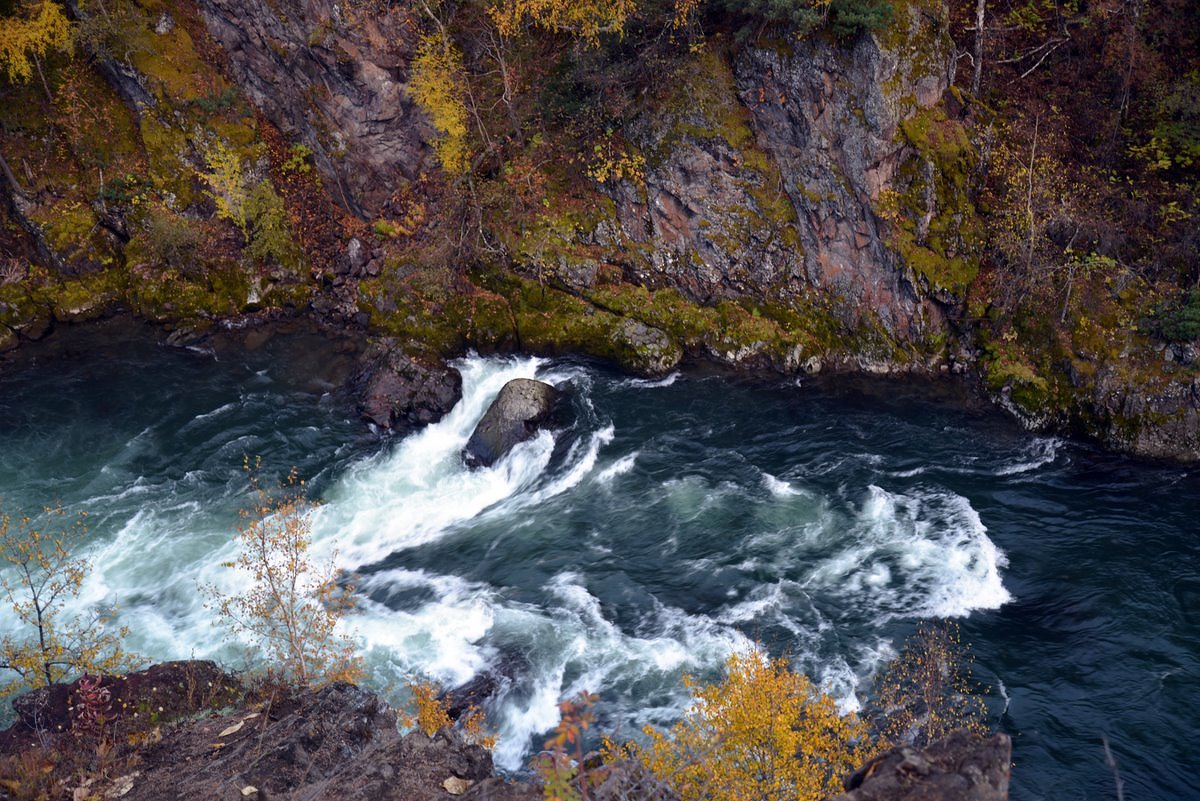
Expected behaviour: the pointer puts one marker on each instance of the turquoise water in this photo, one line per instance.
(675, 522)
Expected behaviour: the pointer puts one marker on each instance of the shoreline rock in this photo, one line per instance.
(399, 392)
(960, 767)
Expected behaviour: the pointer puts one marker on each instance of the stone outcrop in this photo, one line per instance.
(522, 406)
(340, 742)
(1160, 420)
(770, 172)
(332, 77)
(961, 767)
(190, 725)
(183, 687)
(400, 392)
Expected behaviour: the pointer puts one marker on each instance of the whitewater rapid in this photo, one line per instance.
(583, 560)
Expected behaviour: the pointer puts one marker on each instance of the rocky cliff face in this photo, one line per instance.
(960, 767)
(332, 77)
(763, 176)
(830, 118)
(767, 174)
(190, 725)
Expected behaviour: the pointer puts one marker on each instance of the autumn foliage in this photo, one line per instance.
(436, 85)
(292, 607)
(587, 19)
(926, 692)
(764, 733)
(427, 710)
(38, 577)
(767, 733)
(36, 29)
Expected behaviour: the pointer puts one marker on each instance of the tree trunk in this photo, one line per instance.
(12, 179)
(1029, 199)
(37, 62)
(977, 76)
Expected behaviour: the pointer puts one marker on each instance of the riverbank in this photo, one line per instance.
(190, 725)
(835, 196)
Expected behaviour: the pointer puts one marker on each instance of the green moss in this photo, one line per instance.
(918, 36)
(946, 253)
(421, 308)
(171, 297)
(166, 147)
(74, 232)
(67, 225)
(89, 296)
(169, 61)
(703, 106)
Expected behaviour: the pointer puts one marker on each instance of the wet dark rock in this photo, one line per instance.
(485, 685)
(1160, 419)
(961, 767)
(518, 411)
(473, 694)
(400, 391)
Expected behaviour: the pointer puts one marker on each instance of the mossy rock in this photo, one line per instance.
(89, 297)
(936, 228)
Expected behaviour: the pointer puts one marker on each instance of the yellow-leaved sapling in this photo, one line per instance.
(292, 607)
(926, 692)
(429, 711)
(764, 733)
(38, 578)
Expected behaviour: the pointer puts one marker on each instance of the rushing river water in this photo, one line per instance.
(675, 522)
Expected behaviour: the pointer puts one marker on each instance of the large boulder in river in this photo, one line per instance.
(400, 391)
(522, 406)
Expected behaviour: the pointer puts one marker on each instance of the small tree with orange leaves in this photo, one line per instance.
(763, 734)
(926, 692)
(37, 577)
(428, 711)
(292, 608)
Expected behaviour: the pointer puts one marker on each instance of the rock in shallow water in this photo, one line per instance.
(514, 416)
(399, 391)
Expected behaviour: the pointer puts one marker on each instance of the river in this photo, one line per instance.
(674, 522)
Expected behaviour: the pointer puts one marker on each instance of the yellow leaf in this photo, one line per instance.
(232, 729)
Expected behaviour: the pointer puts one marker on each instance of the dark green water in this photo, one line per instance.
(675, 522)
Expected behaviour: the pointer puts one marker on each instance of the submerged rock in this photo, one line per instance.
(960, 767)
(486, 685)
(400, 391)
(514, 416)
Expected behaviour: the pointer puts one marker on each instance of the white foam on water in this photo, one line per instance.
(779, 487)
(1039, 453)
(566, 647)
(924, 553)
(651, 383)
(581, 457)
(441, 639)
(618, 468)
(420, 490)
